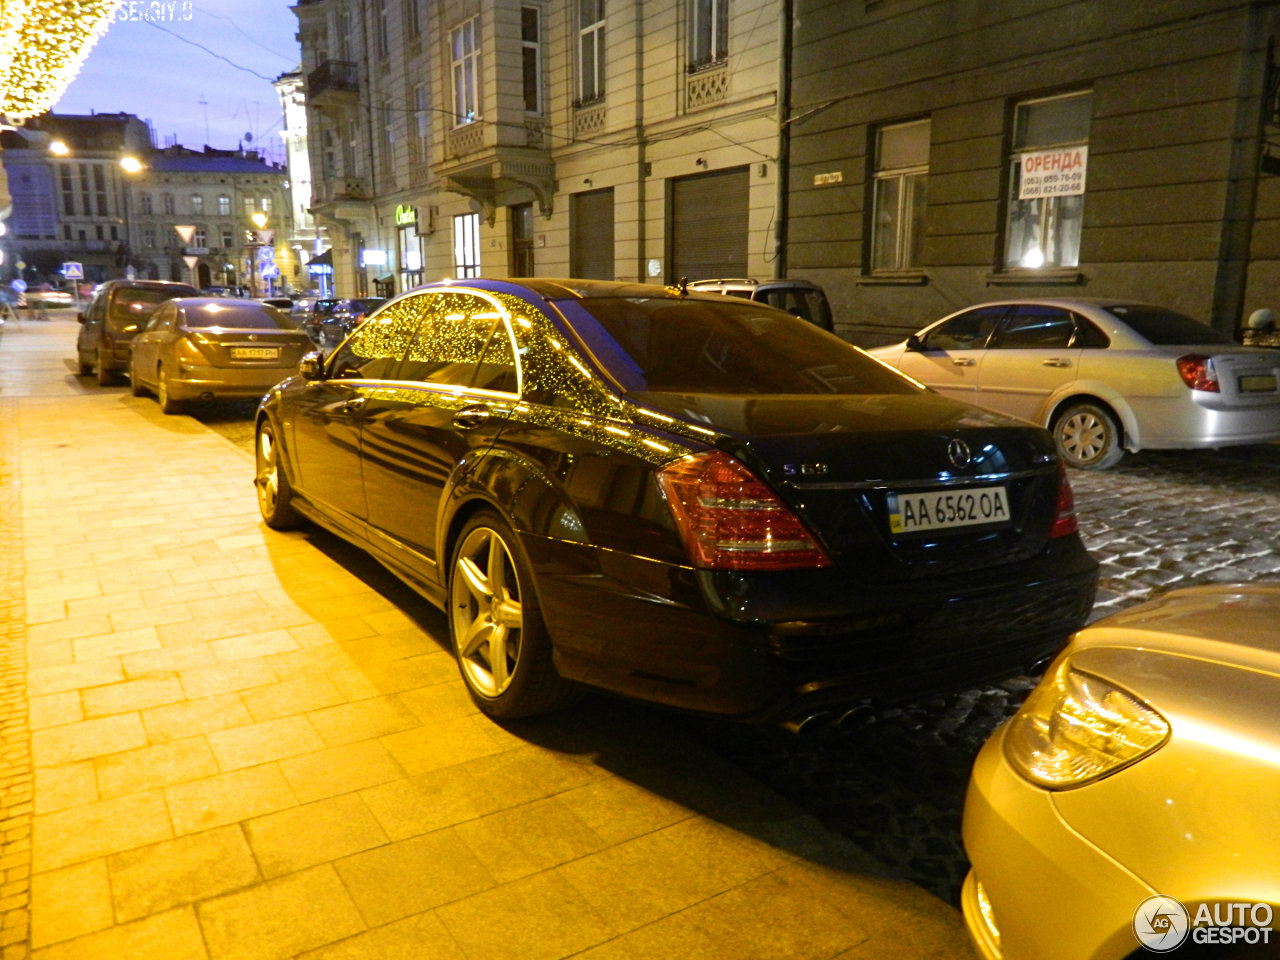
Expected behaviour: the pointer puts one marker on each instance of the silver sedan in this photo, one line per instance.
(1103, 376)
(1131, 802)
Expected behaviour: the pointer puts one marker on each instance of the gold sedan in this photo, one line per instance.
(1132, 802)
(205, 348)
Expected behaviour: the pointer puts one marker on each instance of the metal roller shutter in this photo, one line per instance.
(709, 219)
(591, 226)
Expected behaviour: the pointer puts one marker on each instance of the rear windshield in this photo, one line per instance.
(136, 304)
(239, 318)
(1167, 328)
(661, 345)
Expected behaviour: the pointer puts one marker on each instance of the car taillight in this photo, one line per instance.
(730, 520)
(1197, 372)
(1064, 512)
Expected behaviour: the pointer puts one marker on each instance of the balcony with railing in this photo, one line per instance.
(334, 83)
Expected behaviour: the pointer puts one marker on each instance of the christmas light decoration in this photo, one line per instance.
(42, 44)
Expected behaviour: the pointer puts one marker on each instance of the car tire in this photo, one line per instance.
(105, 375)
(86, 369)
(167, 403)
(275, 494)
(495, 624)
(135, 384)
(1087, 436)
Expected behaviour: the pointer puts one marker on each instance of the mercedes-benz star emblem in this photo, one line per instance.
(958, 453)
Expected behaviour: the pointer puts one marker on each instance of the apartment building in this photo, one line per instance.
(947, 152)
(596, 138)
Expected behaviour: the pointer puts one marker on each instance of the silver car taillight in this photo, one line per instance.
(1197, 372)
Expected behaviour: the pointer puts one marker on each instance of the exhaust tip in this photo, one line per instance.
(801, 724)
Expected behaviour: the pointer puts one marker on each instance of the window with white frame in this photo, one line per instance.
(166, 203)
(708, 32)
(388, 133)
(590, 51)
(1046, 182)
(224, 205)
(197, 203)
(466, 245)
(531, 57)
(248, 206)
(900, 187)
(228, 238)
(149, 238)
(200, 238)
(464, 50)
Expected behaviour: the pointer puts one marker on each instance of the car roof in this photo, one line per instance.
(560, 288)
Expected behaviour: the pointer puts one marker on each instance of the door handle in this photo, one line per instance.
(353, 405)
(472, 417)
(1056, 362)
(962, 361)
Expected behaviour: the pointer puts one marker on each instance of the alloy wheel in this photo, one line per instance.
(487, 613)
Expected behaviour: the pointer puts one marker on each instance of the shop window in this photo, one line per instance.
(466, 245)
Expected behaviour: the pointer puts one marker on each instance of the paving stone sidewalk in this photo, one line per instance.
(250, 745)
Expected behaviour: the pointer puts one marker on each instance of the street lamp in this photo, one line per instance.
(131, 165)
(260, 221)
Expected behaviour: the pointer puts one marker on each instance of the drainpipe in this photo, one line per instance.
(786, 14)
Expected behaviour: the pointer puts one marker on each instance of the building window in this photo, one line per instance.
(383, 30)
(388, 134)
(199, 238)
(708, 32)
(421, 123)
(900, 183)
(531, 58)
(166, 203)
(197, 203)
(100, 190)
(144, 203)
(149, 238)
(1047, 182)
(248, 206)
(266, 204)
(465, 55)
(228, 238)
(466, 245)
(590, 51)
(413, 16)
(522, 240)
(224, 205)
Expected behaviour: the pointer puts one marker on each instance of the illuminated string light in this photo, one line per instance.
(42, 45)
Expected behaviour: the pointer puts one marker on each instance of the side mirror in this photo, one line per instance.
(914, 342)
(311, 366)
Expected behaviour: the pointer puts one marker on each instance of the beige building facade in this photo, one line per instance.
(598, 138)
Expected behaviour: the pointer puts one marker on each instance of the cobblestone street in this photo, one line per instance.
(892, 779)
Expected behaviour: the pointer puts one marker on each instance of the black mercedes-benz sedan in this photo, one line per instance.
(683, 498)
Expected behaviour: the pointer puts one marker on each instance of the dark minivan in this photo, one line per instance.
(118, 310)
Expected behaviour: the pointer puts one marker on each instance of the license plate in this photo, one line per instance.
(1263, 383)
(255, 353)
(947, 509)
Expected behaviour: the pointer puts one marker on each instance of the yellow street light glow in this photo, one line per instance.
(130, 164)
(259, 219)
(58, 148)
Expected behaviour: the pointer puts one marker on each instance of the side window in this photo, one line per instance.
(162, 319)
(1090, 336)
(463, 342)
(373, 351)
(969, 331)
(1036, 328)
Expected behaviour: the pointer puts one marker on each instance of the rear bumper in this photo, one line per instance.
(668, 634)
(204, 383)
(1199, 424)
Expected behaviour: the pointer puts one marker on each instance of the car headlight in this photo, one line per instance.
(1076, 727)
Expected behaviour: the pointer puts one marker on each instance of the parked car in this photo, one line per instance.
(1105, 376)
(803, 299)
(118, 310)
(1145, 764)
(282, 303)
(309, 313)
(688, 499)
(345, 316)
(207, 348)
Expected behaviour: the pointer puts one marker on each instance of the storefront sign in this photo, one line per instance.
(1053, 173)
(405, 215)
